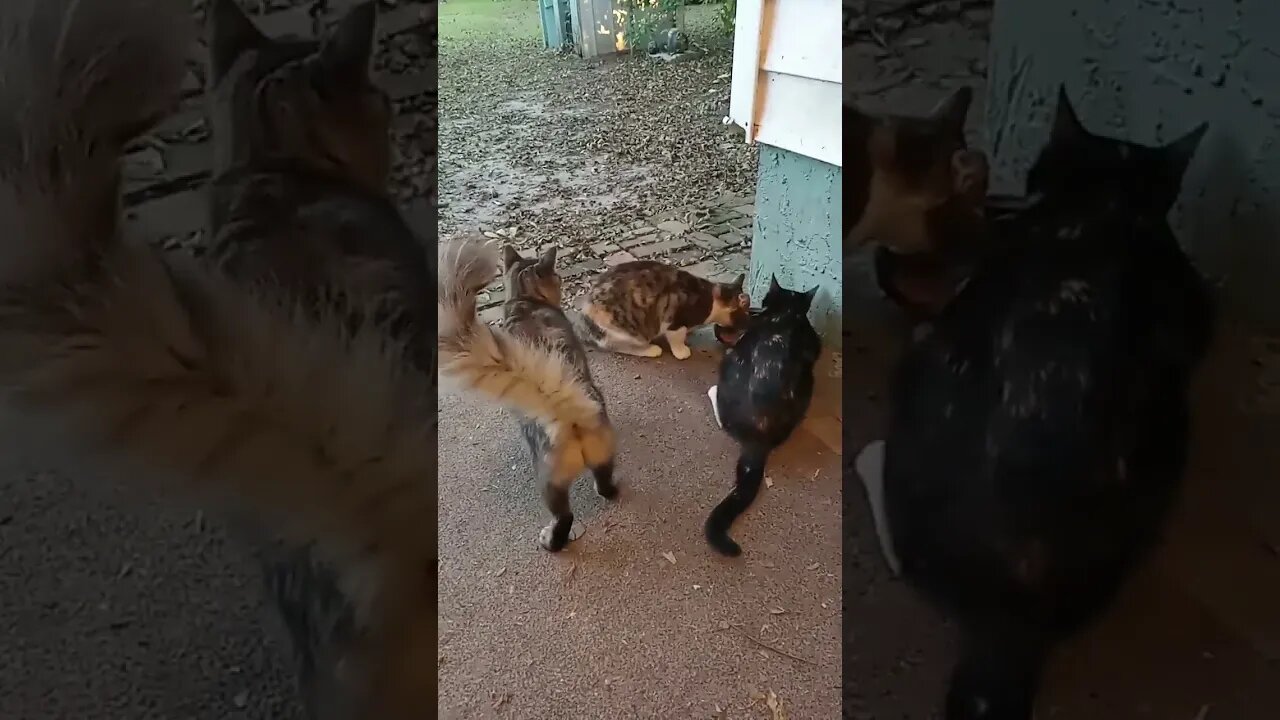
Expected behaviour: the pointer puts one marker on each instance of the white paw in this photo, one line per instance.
(652, 351)
(870, 467)
(681, 352)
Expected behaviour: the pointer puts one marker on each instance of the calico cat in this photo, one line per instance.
(631, 305)
(919, 192)
(1039, 432)
(766, 383)
(204, 374)
(567, 432)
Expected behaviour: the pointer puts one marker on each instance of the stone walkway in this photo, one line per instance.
(166, 171)
(709, 239)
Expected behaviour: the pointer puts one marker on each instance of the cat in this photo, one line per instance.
(203, 371)
(631, 305)
(572, 432)
(920, 192)
(765, 385)
(1039, 432)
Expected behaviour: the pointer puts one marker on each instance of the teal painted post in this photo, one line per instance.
(797, 234)
(548, 10)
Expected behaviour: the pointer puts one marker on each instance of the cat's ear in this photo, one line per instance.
(774, 287)
(810, 295)
(509, 257)
(1177, 154)
(737, 284)
(547, 262)
(1066, 124)
(229, 33)
(950, 114)
(347, 52)
(744, 301)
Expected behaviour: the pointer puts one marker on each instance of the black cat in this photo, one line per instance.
(1040, 429)
(766, 383)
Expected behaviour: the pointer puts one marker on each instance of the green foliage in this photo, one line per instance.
(727, 15)
(644, 18)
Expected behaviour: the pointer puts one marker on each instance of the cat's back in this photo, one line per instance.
(546, 324)
(1037, 436)
(640, 283)
(766, 378)
(308, 235)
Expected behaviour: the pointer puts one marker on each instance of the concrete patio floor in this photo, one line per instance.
(639, 618)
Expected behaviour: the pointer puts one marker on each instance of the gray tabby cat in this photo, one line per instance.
(630, 306)
(571, 433)
(204, 374)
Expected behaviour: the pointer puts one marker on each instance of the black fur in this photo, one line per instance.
(766, 383)
(1040, 431)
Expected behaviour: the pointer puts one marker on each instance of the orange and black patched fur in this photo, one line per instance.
(915, 190)
(631, 305)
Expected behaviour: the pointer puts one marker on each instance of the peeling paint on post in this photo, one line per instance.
(797, 233)
(1149, 71)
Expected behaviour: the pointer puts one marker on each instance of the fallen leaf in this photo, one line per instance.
(500, 572)
(768, 481)
(671, 558)
(777, 611)
(775, 705)
(811, 566)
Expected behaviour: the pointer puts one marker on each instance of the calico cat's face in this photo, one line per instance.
(312, 103)
(530, 278)
(729, 305)
(1077, 164)
(905, 171)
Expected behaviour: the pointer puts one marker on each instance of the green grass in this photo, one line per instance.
(472, 20)
(489, 20)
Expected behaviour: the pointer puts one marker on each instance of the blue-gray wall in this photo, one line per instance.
(797, 233)
(1148, 71)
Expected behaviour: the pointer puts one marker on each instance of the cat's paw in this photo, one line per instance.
(652, 351)
(607, 490)
(713, 393)
(681, 352)
(554, 537)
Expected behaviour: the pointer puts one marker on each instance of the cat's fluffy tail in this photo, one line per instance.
(524, 375)
(80, 79)
(156, 360)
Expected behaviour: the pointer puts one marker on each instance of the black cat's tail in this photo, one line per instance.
(750, 473)
(998, 673)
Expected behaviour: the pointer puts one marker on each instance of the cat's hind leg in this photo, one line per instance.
(676, 339)
(620, 342)
(870, 467)
(598, 448)
(557, 471)
(714, 394)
